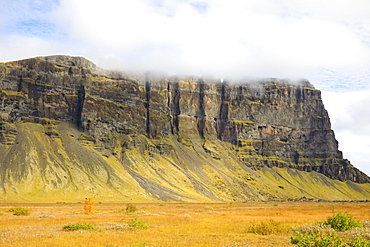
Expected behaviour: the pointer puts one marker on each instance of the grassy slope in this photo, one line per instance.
(38, 167)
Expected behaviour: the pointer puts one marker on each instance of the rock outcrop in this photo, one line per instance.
(69, 128)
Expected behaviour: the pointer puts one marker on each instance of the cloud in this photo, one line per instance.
(256, 38)
(226, 39)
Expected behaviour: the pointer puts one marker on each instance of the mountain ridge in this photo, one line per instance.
(69, 127)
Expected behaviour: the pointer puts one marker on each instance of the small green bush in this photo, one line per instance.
(130, 208)
(320, 239)
(138, 224)
(19, 211)
(342, 222)
(79, 226)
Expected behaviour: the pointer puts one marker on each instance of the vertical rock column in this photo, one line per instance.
(80, 105)
(201, 118)
(174, 105)
(147, 105)
(223, 115)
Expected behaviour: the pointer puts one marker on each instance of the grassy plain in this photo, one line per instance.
(169, 224)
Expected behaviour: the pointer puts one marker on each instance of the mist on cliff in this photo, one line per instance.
(233, 39)
(230, 39)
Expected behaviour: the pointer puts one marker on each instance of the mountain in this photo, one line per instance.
(70, 129)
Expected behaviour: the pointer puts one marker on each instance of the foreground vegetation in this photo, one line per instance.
(186, 224)
(325, 234)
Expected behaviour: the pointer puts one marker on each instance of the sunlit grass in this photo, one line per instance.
(168, 224)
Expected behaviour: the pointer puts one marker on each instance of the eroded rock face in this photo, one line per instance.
(268, 123)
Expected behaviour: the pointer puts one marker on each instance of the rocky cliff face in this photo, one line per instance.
(170, 138)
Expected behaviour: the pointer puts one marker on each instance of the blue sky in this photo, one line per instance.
(29, 18)
(325, 41)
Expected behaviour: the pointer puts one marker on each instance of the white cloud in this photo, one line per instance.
(256, 38)
(234, 38)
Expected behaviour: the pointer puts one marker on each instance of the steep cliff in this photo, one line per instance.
(69, 129)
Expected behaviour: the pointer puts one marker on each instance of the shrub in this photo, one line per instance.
(130, 208)
(19, 211)
(135, 223)
(326, 239)
(342, 222)
(268, 227)
(360, 233)
(359, 242)
(79, 226)
(313, 229)
(320, 239)
(325, 234)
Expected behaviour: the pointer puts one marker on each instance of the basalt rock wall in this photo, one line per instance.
(263, 124)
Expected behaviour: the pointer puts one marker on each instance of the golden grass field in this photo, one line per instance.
(170, 224)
